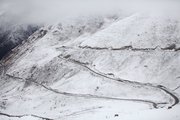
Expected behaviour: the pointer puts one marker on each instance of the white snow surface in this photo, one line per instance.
(74, 70)
(139, 31)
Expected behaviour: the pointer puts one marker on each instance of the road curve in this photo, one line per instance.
(163, 88)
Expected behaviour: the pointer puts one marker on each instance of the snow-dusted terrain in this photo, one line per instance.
(12, 33)
(110, 67)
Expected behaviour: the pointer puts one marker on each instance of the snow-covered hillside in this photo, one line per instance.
(95, 68)
(12, 33)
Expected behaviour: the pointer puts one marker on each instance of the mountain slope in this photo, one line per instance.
(12, 33)
(95, 68)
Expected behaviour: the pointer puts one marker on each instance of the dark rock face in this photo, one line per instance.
(11, 36)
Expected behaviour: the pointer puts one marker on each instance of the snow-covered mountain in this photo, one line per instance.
(13, 33)
(95, 68)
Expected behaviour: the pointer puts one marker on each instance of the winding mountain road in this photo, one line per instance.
(160, 87)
